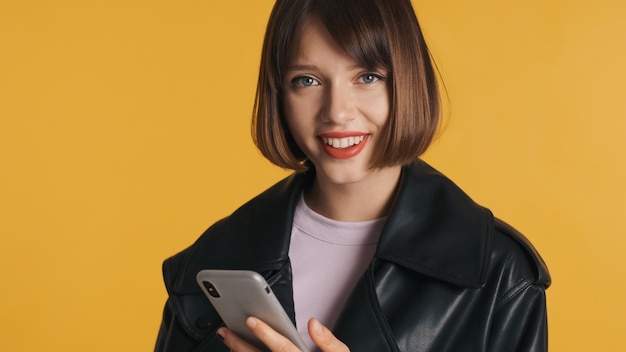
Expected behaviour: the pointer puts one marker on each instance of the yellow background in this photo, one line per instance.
(124, 133)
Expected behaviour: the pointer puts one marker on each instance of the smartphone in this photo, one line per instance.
(239, 294)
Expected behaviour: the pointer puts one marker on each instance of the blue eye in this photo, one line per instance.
(304, 81)
(370, 78)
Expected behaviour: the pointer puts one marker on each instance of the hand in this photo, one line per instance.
(321, 336)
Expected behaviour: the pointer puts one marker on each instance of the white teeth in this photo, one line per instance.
(342, 143)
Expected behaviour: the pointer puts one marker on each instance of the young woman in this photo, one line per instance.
(367, 247)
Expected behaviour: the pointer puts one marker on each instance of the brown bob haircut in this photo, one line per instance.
(376, 34)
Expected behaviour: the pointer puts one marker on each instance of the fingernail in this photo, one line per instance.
(251, 322)
(221, 334)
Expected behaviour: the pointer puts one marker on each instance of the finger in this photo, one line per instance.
(324, 338)
(273, 340)
(234, 342)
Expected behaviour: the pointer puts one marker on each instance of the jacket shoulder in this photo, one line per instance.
(512, 247)
(251, 238)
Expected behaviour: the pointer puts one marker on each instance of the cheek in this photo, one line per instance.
(381, 114)
(376, 107)
(295, 122)
(299, 113)
(289, 113)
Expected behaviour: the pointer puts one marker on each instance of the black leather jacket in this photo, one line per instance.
(446, 276)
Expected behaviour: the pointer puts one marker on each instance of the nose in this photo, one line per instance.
(338, 105)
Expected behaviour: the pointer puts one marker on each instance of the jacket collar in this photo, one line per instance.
(433, 228)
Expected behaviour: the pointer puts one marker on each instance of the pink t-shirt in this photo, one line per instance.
(327, 257)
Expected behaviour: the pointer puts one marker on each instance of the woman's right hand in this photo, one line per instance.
(321, 336)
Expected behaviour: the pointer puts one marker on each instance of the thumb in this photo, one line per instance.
(324, 338)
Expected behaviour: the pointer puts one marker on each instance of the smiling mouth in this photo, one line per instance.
(343, 143)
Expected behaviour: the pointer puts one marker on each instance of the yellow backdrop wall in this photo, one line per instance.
(124, 133)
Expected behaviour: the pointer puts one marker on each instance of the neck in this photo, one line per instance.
(367, 199)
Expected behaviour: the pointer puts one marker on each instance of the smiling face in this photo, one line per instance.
(335, 108)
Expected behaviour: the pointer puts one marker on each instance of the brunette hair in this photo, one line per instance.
(376, 34)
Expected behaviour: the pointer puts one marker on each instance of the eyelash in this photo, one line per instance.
(299, 80)
(375, 76)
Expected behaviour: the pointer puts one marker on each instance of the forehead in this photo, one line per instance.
(363, 41)
(313, 39)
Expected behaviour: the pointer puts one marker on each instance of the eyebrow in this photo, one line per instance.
(313, 67)
(301, 67)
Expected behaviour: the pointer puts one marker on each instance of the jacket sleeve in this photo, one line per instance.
(189, 322)
(173, 337)
(520, 321)
(166, 323)
(169, 322)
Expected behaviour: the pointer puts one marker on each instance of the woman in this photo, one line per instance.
(367, 247)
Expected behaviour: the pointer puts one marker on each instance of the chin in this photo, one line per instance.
(342, 175)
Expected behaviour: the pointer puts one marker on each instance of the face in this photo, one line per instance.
(335, 109)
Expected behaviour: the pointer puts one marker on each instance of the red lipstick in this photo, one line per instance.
(343, 145)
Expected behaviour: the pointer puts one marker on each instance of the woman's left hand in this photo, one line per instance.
(321, 336)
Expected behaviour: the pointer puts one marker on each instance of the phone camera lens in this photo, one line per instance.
(211, 289)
